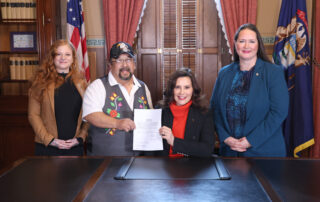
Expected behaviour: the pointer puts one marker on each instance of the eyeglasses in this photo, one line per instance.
(121, 61)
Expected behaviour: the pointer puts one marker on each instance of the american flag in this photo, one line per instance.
(76, 33)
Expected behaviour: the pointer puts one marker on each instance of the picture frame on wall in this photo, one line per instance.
(23, 41)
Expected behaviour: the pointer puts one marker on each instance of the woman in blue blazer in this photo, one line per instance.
(250, 100)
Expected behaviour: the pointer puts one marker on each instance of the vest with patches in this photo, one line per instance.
(111, 141)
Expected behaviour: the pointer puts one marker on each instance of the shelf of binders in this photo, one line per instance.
(18, 10)
(22, 67)
(16, 74)
(18, 67)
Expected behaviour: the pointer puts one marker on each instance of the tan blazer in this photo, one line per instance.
(42, 118)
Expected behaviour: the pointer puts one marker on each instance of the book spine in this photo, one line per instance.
(9, 9)
(28, 68)
(23, 9)
(13, 6)
(18, 9)
(28, 9)
(4, 9)
(18, 68)
(34, 9)
(12, 68)
(35, 65)
(22, 69)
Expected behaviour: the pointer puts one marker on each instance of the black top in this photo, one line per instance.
(67, 104)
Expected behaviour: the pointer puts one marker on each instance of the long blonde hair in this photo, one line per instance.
(47, 73)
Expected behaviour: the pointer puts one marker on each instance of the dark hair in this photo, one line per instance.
(197, 99)
(261, 50)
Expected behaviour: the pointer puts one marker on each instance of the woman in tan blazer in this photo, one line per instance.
(55, 103)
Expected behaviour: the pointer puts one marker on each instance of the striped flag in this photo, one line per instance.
(76, 34)
(291, 50)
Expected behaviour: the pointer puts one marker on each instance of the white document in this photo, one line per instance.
(146, 136)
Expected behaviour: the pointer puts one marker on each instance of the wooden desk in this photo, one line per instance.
(92, 179)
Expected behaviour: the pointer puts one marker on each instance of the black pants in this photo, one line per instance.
(41, 150)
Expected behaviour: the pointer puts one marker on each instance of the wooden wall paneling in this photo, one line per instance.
(5, 30)
(208, 37)
(97, 63)
(209, 24)
(148, 58)
(48, 15)
(149, 74)
(19, 141)
(93, 65)
(2, 151)
(100, 63)
(5, 42)
(4, 66)
(16, 136)
(149, 26)
(210, 73)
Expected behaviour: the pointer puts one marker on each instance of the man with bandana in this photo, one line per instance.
(109, 102)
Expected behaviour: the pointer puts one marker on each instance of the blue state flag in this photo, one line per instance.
(291, 50)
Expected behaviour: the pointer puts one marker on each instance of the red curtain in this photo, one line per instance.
(315, 150)
(121, 18)
(236, 13)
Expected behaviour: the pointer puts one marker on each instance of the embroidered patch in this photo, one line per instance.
(143, 103)
(116, 104)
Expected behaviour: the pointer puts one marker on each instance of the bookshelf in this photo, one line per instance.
(18, 57)
(27, 29)
(17, 137)
(18, 10)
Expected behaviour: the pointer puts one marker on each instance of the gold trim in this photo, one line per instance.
(302, 147)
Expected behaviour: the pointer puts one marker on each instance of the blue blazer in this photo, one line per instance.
(266, 108)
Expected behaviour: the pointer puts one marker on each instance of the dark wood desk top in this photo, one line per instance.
(92, 179)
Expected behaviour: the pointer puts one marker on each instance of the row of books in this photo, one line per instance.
(18, 10)
(23, 68)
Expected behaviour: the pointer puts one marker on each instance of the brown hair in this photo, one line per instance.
(261, 50)
(198, 100)
(47, 73)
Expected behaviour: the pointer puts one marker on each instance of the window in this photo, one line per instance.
(179, 37)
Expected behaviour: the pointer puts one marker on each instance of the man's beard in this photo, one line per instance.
(125, 78)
